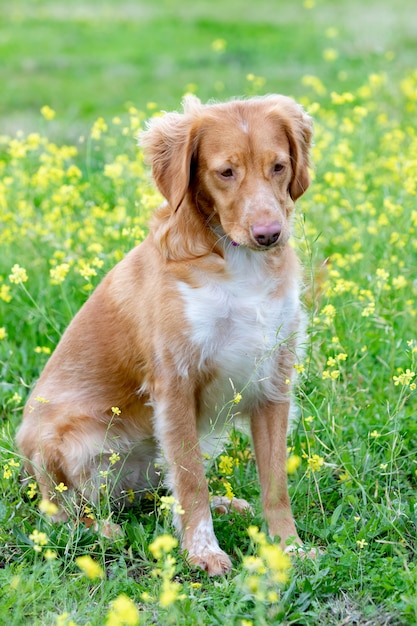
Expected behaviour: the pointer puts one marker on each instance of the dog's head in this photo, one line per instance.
(240, 165)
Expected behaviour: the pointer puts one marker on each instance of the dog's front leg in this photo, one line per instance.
(176, 425)
(269, 432)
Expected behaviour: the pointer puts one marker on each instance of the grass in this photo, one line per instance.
(75, 197)
(94, 59)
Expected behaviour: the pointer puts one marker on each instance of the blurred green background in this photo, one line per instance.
(87, 58)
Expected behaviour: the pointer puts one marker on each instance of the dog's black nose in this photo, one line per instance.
(266, 234)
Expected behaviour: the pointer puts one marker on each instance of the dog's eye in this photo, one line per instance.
(227, 173)
(278, 167)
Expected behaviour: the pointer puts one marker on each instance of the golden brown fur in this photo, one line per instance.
(206, 307)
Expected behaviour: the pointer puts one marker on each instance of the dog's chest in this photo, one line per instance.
(237, 326)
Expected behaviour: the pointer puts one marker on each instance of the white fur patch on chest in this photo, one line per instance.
(237, 325)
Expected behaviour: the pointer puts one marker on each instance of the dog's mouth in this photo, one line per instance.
(262, 238)
(256, 240)
(256, 245)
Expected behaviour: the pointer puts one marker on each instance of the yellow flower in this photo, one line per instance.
(361, 543)
(404, 378)
(18, 274)
(130, 495)
(228, 489)
(269, 567)
(59, 273)
(369, 309)
(113, 170)
(332, 375)
(256, 535)
(253, 583)
(329, 313)
(257, 81)
(39, 540)
(147, 597)
(315, 83)
(85, 270)
(99, 127)
(315, 463)
(237, 398)
(344, 477)
(162, 545)
(61, 487)
(277, 562)
(32, 490)
(218, 45)
(299, 368)
(170, 503)
(42, 350)
(123, 611)
(226, 464)
(15, 582)
(167, 502)
(48, 508)
(115, 410)
(3, 333)
(343, 98)
(48, 113)
(62, 620)
(330, 54)
(89, 567)
(169, 593)
(50, 555)
(274, 557)
(254, 564)
(114, 457)
(88, 512)
(17, 149)
(331, 32)
(5, 293)
(399, 282)
(293, 463)
(74, 172)
(382, 275)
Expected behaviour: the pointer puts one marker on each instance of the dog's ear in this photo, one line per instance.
(169, 142)
(298, 127)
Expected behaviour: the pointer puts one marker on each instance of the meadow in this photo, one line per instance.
(75, 196)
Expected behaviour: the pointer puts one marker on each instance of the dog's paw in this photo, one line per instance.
(222, 504)
(214, 563)
(109, 530)
(60, 517)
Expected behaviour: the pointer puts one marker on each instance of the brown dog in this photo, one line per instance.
(204, 312)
